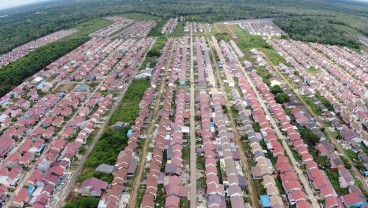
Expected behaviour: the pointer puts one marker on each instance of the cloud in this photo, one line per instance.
(5, 4)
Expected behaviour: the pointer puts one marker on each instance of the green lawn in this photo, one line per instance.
(88, 27)
(179, 30)
(129, 107)
(312, 105)
(314, 71)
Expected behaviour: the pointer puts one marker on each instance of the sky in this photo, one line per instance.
(5, 4)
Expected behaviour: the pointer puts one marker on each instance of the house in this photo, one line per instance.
(265, 201)
(21, 198)
(353, 200)
(105, 169)
(336, 162)
(3, 194)
(92, 187)
(345, 179)
(118, 125)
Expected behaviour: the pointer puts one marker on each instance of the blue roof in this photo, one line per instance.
(30, 190)
(130, 132)
(265, 200)
(366, 173)
(212, 124)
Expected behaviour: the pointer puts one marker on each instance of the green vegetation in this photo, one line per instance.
(34, 62)
(43, 56)
(139, 16)
(325, 102)
(276, 89)
(156, 31)
(317, 29)
(260, 188)
(160, 198)
(274, 57)
(327, 17)
(308, 137)
(257, 127)
(334, 178)
(201, 183)
(83, 202)
(184, 203)
(247, 42)
(352, 155)
(263, 72)
(313, 106)
(179, 30)
(282, 98)
(129, 107)
(314, 71)
(223, 36)
(157, 47)
(288, 111)
(112, 142)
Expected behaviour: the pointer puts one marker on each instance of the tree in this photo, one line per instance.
(282, 98)
(276, 89)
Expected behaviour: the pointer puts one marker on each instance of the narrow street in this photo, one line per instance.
(143, 156)
(338, 146)
(300, 173)
(193, 156)
(245, 164)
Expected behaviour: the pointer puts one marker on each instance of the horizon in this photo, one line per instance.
(8, 4)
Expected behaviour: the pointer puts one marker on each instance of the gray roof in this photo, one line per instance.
(104, 168)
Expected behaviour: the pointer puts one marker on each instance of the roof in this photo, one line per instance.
(353, 198)
(265, 200)
(94, 183)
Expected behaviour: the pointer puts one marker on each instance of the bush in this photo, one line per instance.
(276, 89)
(282, 98)
(84, 202)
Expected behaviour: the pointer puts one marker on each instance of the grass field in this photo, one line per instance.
(314, 71)
(179, 30)
(88, 27)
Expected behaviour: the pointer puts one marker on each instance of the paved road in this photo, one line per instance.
(338, 146)
(193, 155)
(143, 157)
(300, 173)
(253, 194)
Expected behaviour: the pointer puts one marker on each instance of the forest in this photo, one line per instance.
(25, 24)
(322, 30)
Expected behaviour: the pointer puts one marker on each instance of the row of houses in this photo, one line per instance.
(264, 169)
(45, 128)
(346, 106)
(118, 24)
(159, 144)
(125, 164)
(264, 27)
(353, 63)
(203, 62)
(170, 26)
(138, 29)
(52, 171)
(197, 27)
(324, 148)
(24, 49)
